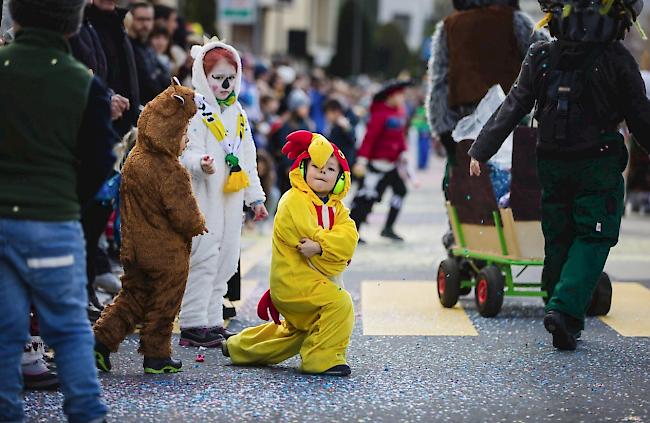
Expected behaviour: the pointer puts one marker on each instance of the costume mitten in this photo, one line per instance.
(266, 307)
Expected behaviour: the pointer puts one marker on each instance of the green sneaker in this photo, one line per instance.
(102, 357)
(158, 366)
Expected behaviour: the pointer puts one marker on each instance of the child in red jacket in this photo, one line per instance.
(381, 157)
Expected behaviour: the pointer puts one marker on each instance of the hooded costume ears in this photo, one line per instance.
(179, 98)
(175, 81)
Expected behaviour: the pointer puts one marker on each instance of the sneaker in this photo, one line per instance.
(390, 234)
(102, 357)
(46, 381)
(200, 337)
(224, 348)
(158, 366)
(221, 331)
(557, 323)
(108, 282)
(362, 241)
(340, 370)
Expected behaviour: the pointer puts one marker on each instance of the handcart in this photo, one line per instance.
(489, 241)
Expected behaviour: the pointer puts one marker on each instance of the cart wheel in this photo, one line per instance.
(489, 291)
(601, 300)
(448, 282)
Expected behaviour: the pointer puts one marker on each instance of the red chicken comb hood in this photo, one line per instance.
(303, 145)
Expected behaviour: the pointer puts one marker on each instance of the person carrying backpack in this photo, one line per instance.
(582, 84)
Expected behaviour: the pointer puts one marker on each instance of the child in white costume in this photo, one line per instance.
(221, 158)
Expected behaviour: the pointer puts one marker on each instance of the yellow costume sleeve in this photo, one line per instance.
(295, 219)
(338, 244)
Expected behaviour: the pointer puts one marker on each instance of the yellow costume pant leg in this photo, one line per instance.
(265, 344)
(329, 335)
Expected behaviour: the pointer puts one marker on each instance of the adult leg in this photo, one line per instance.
(57, 280)
(93, 221)
(14, 326)
(119, 319)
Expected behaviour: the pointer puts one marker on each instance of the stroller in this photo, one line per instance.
(489, 240)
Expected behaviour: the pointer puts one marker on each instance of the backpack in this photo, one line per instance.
(570, 116)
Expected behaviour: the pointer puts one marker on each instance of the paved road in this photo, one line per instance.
(411, 359)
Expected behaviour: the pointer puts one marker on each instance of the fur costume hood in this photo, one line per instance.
(199, 79)
(163, 121)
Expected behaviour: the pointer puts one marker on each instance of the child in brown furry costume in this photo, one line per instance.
(160, 217)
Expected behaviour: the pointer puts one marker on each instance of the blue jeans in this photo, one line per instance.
(43, 263)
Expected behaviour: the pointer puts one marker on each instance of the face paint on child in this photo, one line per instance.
(221, 79)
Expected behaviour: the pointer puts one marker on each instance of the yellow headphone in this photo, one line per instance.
(340, 182)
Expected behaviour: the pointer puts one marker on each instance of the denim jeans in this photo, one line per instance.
(43, 263)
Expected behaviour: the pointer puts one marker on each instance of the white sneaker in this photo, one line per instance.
(108, 282)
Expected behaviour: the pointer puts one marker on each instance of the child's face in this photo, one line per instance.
(221, 79)
(322, 180)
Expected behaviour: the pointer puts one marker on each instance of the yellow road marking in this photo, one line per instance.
(629, 313)
(410, 308)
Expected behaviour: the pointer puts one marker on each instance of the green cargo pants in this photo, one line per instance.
(582, 205)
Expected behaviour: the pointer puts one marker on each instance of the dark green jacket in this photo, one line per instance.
(56, 137)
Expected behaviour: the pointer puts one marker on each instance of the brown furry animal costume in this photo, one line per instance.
(160, 217)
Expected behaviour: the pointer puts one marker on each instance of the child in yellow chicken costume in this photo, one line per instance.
(313, 242)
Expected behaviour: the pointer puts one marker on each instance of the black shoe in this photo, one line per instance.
(200, 337)
(340, 370)
(556, 323)
(221, 331)
(102, 357)
(390, 234)
(158, 366)
(362, 241)
(48, 381)
(229, 312)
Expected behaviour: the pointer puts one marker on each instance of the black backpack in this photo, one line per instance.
(569, 113)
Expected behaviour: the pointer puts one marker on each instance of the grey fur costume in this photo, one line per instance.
(440, 116)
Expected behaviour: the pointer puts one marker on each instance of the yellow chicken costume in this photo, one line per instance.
(318, 312)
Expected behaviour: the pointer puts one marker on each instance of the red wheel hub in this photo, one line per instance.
(442, 278)
(482, 291)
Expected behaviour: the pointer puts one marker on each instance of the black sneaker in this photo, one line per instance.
(221, 331)
(47, 381)
(556, 323)
(340, 370)
(158, 366)
(200, 337)
(102, 357)
(390, 234)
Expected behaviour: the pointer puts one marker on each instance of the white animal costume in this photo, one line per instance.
(214, 256)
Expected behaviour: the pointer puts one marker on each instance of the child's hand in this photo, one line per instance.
(207, 164)
(260, 212)
(474, 168)
(309, 248)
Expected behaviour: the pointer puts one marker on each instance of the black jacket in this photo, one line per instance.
(153, 80)
(122, 73)
(615, 91)
(87, 48)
